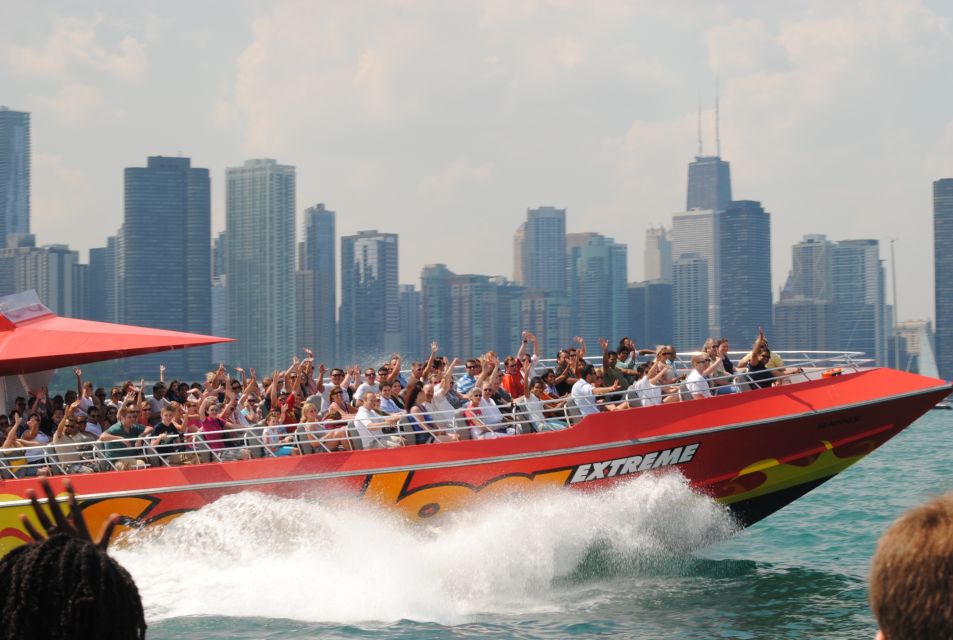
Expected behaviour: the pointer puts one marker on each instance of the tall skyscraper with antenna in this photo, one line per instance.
(709, 177)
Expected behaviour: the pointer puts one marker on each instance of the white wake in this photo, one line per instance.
(256, 555)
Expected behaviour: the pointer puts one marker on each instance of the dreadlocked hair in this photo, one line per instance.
(65, 587)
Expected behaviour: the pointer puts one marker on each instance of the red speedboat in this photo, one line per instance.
(754, 452)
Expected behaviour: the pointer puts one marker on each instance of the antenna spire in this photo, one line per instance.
(700, 150)
(717, 130)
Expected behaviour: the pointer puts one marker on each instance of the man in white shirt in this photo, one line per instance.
(369, 384)
(369, 424)
(696, 383)
(584, 391)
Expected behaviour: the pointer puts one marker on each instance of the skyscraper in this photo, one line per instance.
(544, 249)
(548, 315)
(50, 270)
(943, 274)
(597, 279)
(811, 267)
(805, 318)
(658, 254)
(15, 156)
(474, 315)
(169, 201)
(435, 313)
(697, 233)
(859, 292)
(370, 311)
(689, 301)
(317, 326)
(260, 287)
(651, 313)
(745, 271)
(709, 184)
(519, 237)
(411, 345)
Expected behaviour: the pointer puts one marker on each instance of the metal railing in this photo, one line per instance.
(411, 429)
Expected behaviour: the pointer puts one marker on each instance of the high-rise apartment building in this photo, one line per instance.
(744, 271)
(15, 156)
(943, 274)
(597, 282)
(690, 302)
(548, 315)
(805, 318)
(260, 287)
(317, 285)
(50, 270)
(543, 254)
(709, 184)
(171, 200)
(697, 233)
(859, 291)
(370, 313)
(658, 254)
(474, 315)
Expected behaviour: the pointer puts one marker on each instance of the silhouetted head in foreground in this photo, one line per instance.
(63, 584)
(911, 578)
(64, 587)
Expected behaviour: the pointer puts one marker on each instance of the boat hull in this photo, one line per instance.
(753, 452)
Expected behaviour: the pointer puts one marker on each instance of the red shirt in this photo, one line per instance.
(513, 382)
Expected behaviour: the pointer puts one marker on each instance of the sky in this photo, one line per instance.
(445, 121)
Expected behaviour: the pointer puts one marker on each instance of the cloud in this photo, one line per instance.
(74, 44)
(74, 103)
(452, 179)
(60, 197)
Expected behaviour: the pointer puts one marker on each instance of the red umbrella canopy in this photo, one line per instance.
(32, 338)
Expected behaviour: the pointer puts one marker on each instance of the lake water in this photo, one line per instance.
(648, 559)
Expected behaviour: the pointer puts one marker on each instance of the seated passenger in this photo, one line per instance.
(388, 405)
(665, 359)
(370, 424)
(584, 392)
(696, 383)
(275, 435)
(124, 441)
(646, 388)
(331, 435)
(474, 418)
(490, 414)
(370, 384)
(535, 408)
(169, 438)
(223, 437)
(68, 441)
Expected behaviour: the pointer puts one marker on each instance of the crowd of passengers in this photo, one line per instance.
(308, 410)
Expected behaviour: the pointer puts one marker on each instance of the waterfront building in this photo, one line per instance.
(597, 282)
(411, 343)
(690, 302)
(811, 267)
(171, 200)
(370, 313)
(474, 313)
(919, 345)
(744, 271)
(943, 274)
(508, 332)
(435, 316)
(260, 287)
(658, 254)
(51, 270)
(697, 233)
(802, 323)
(709, 184)
(651, 313)
(858, 284)
(15, 167)
(548, 315)
(543, 253)
(317, 285)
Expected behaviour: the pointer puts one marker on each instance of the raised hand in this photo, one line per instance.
(77, 372)
(604, 344)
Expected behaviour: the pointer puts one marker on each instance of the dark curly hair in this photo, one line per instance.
(64, 587)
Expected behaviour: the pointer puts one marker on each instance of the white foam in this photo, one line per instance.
(256, 555)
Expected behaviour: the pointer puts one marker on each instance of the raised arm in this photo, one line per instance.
(394, 368)
(162, 373)
(79, 381)
(605, 352)
(522, 350)
(448, 374)
(429, 365)
(203, 407)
